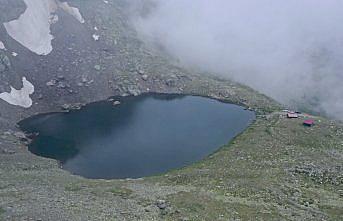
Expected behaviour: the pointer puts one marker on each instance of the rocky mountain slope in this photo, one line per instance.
(276, 170)
(89, 60)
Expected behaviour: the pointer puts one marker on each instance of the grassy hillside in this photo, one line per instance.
(276, 170)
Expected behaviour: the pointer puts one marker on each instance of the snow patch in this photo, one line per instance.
(20, 97)
(2, 46)
(96, 37)
(32, 28)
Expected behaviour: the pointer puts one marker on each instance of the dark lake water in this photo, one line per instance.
(144, 135)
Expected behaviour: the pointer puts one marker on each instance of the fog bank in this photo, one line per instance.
(290, 50)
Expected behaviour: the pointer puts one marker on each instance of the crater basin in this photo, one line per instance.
(132, 137)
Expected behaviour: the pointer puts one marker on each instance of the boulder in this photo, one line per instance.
(133, 90)
(161, 204)
(145, 77)
(97, 67)
(5, 63)
(68, 107)
(115, 103)
(51, 83)
(171, 82)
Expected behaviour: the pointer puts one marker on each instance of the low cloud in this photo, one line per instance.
(290, 50)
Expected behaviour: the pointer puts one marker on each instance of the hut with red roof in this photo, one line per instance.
(308, 122)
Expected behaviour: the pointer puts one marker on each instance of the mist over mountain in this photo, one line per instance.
(179, 94)
(289, 50)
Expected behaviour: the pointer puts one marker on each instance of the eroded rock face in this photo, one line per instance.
(19, 97)
(71, 10)
(5, 63)
(32, 28)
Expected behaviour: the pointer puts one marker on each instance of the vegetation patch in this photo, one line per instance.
(2, 211)
(121, 191)
(73, 187)
(209, 206)
(269, 168)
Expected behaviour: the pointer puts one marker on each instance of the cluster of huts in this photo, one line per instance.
(296, 114)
